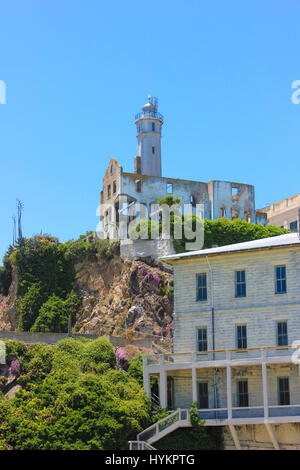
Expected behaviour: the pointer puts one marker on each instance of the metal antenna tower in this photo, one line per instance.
(20, 208)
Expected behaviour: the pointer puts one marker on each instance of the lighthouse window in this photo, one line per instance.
(153, 127)
(153, 150)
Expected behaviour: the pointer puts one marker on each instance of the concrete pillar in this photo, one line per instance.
(146, 378)
(272, 436)
(229, 392)
(265, 389)
(162, 383)
(194, 383)
(235, 437)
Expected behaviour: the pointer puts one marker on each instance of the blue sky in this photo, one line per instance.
(77, 71)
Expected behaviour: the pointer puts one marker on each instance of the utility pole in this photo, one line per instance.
(20, 208)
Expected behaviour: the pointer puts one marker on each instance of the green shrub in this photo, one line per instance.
(60, 407)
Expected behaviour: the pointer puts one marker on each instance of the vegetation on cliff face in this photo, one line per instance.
(70, 396)
(87, 282)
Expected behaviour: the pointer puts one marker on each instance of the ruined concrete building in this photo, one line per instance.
(146, 185)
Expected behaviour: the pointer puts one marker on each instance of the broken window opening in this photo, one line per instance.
(169, 188)
(114, 187)
(234, 214)
(108, 191)
(222, 212)
(235, 192)
(247, 216)
(193, 200)
(138, 186)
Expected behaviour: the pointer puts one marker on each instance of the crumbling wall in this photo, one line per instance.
(236, 199)
(135, 249)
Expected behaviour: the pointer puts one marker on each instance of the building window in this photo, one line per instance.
(235, 213)
(153, 127)
(203, 395)
(222, 212)
(153, 150)
(108, 191)
(193, 200)
(138, 186)
(114, 187)
(240, 283)
(169, 188)
(111, 169)
(241, 336)
(280, 287)
(247, 216)
(283, 391)
(201, 287)
(242, 393)
(234, 192)
(282, 336)
(202, 339)
(294, 226)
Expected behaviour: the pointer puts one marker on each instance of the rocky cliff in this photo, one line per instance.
(119, 297)
(123, 295)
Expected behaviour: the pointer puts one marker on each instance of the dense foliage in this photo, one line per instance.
(47, 298)
(72, 397)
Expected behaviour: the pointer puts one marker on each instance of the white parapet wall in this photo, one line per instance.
(134, 249)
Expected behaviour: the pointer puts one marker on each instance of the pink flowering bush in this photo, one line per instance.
(155, 276)
(169, 326)
(15, 367)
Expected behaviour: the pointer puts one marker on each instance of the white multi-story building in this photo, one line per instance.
(236, 317)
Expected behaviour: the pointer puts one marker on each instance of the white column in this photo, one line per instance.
(194, 383)
(272, 436)
(235, 437)
(146, 378)
(229, 392)
(162, 383)
(265, 389)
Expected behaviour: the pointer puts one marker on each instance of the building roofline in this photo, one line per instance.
(281, 241)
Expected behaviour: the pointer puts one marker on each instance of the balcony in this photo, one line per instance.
(149, 114)
(220, 358)
(262, 368)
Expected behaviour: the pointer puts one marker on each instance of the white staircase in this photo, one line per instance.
(179, 419)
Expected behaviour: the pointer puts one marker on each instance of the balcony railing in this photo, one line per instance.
(149, 114)
(250, 412)
(222, 355)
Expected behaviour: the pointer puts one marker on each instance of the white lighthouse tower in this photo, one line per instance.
(149, 123)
